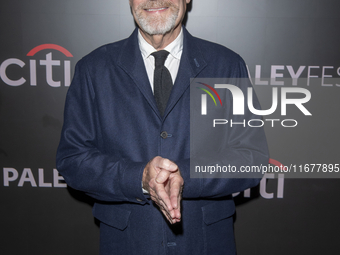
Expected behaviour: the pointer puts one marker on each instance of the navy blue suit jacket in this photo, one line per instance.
(112, 129)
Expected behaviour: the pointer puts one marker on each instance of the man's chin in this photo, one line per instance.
(158, 22)
(156, 27)
(156, 31)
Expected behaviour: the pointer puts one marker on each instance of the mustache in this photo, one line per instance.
(157, 4)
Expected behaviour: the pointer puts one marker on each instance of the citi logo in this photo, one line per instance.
(48, 62)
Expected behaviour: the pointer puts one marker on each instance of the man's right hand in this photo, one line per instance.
(163, 181)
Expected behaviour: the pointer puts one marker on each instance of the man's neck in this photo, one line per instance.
(159, 42)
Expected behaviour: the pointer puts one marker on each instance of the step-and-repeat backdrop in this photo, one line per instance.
(292, 51)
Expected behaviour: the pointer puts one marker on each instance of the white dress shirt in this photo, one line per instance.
(175, 49)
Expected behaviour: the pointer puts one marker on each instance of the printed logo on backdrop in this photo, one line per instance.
(44, 62)
(324, 76)
(28, 177)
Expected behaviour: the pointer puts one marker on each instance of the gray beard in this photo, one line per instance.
(157, 25)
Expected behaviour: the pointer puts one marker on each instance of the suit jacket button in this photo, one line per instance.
(138, 199)
(164, 135)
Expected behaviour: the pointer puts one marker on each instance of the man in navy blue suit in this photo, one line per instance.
(126, 142)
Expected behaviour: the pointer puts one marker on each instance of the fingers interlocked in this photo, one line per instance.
(164, 183)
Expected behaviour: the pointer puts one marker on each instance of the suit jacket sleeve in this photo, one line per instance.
(83, 166)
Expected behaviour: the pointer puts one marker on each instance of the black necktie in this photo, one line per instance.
(161, 80)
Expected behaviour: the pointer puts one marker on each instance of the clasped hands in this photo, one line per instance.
(163, 180)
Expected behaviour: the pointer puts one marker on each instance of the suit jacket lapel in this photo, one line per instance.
(192, 63)
(132, 62)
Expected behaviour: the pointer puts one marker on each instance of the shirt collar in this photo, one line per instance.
(175, 48)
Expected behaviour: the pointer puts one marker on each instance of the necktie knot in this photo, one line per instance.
(160, 57)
